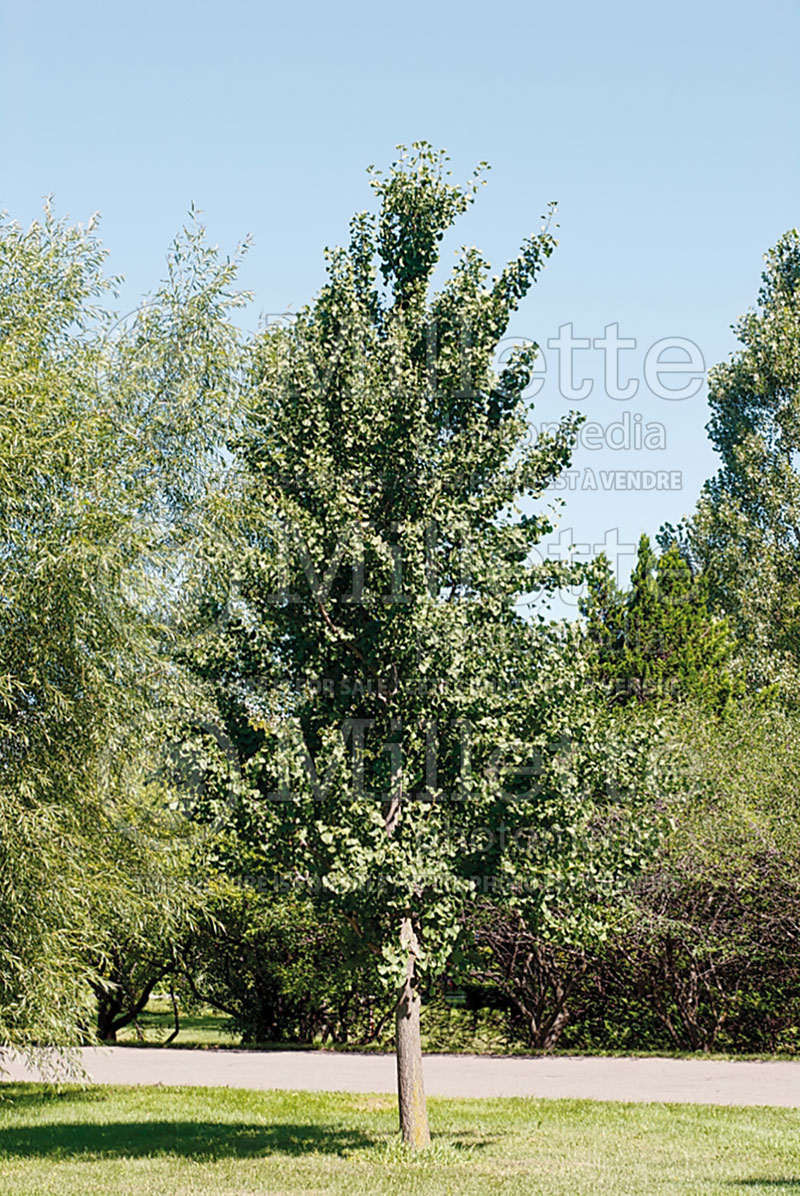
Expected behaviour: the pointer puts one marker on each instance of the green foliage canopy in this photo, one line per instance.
(746, 532)
(418, 739)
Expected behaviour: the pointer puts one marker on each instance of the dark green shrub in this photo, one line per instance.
(285, 970)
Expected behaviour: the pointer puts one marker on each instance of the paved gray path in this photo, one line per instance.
(673, 1080)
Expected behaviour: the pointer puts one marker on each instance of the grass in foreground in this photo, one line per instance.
(191, 1141)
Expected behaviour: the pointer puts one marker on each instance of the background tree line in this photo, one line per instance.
(270, 698)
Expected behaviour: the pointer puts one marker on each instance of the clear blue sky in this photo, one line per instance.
(668, 134)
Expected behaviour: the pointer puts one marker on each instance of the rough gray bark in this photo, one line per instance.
(410, 1087)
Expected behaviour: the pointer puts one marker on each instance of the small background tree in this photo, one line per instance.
(658, 641)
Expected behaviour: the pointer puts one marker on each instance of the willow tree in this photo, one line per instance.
(106, 439)
(418, 741)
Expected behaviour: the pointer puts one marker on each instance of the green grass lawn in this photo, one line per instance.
(197, 1029)
(188, 1142)
(443, 1030)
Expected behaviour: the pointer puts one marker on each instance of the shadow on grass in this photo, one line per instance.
(788, 1185)
(18, 1096)
(204, 1141)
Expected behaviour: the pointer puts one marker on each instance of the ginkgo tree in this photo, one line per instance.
(409, 737)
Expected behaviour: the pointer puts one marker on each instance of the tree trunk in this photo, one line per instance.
(107, 1012)
(410, 1086)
